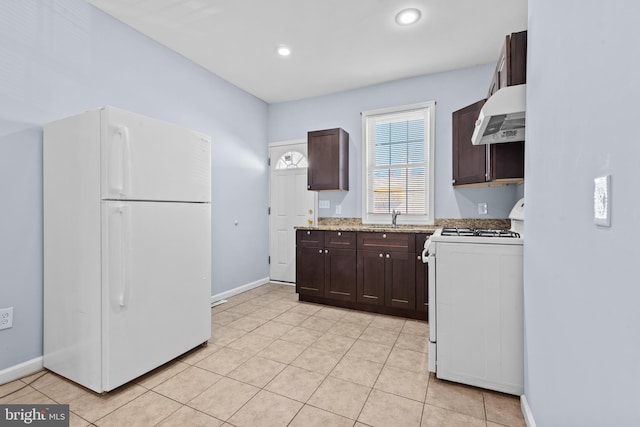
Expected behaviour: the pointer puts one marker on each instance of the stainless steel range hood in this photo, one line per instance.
(502, 117)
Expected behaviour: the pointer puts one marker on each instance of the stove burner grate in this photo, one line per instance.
(478, 232)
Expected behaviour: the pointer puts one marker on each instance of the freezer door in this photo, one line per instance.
(147, 159)
(156, 294)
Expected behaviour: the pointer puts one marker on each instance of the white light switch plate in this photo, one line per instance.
(602, 201)
(324, 204)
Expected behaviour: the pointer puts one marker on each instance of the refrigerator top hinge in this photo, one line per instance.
(269, 260)
(269, 161)
(269, 210)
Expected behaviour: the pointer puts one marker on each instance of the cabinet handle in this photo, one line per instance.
(339, 233)
(308, 233)
(326, 251)
(384, 236)
(320, 251)
(380, 255)
(418, 257)
(388, 256)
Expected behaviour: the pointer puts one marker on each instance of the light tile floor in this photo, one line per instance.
(274, 361)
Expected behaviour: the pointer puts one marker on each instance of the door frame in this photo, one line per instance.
(291, 142)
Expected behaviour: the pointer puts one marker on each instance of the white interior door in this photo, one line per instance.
(291, 205)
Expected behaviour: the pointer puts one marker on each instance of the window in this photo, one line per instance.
(398, 164)
(291, 160)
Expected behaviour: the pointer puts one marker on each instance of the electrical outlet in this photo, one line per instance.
(338, 209)
(6, 318)
(482, 208)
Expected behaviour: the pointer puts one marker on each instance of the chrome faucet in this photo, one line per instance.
(394, 216)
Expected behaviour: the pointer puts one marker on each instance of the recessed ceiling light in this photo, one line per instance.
(408, 16)
(284, 51)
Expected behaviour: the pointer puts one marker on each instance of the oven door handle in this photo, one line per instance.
(433, 309)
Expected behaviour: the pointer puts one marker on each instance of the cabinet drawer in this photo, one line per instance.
(310, 238)
(340, 239)
(398, 242)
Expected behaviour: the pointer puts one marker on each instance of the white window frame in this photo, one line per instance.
(429, 141)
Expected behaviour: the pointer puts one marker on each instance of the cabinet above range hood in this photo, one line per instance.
(502, 118)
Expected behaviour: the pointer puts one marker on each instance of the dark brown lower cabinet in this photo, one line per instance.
(310, 271)
(322, 270)
(386, 279)
(371, 277)
(380, 275)
(422, 276)
(400, 282)
(340, 274)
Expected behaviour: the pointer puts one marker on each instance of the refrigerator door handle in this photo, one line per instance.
(124, 252)
(120, 165)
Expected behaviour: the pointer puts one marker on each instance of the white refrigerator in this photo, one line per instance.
(127, 245)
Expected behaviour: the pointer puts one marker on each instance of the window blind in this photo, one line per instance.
(397, 163)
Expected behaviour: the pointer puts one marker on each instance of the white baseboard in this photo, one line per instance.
(238, 290)
(282, 283)
(526, 412)
(21, 370)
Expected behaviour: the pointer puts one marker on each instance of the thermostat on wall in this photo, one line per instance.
(602, 201)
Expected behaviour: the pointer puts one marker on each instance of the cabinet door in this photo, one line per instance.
(370, 277)
(422, 285)
(507, 161)
(328, 152)
(400, 282)
(422, 275)
(469, 161)
(310, 271)
(517, 58)
(340, 274)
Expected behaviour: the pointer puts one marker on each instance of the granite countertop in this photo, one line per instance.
(386, 228)
(355, 224)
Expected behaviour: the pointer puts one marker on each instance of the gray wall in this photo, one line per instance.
(451, 91)
(581, 281)
(59, 58)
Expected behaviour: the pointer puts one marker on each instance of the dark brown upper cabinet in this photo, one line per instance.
(328, 153)
(469, 161)
(511, 68)
(493, 164)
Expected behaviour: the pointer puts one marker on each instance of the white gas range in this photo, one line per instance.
(475, 313)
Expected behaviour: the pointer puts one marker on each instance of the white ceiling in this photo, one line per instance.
(336, 45)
